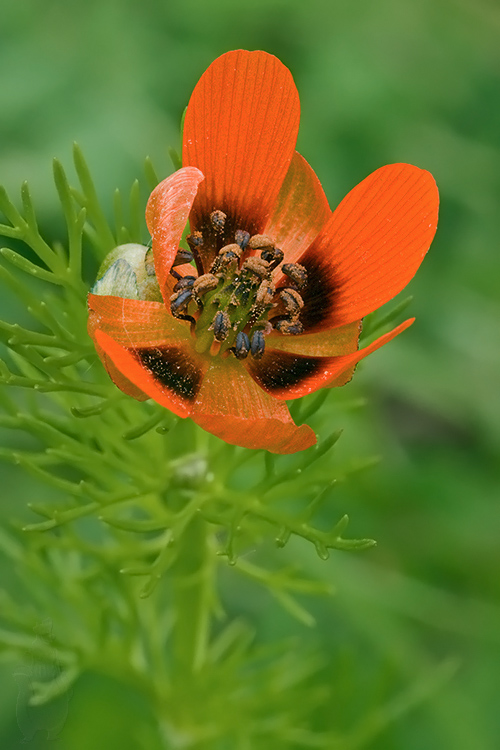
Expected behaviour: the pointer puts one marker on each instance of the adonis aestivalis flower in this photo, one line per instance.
(267, 303)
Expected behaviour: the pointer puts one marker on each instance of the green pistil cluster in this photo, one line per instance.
(229, 306)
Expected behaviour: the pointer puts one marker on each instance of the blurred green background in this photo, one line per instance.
(380, 82)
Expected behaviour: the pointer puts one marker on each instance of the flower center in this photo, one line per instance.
(236, 304)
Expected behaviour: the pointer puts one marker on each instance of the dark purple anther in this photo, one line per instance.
(183, 256)
(297, 273)
(242, 345)
(241, 238)
(258, 345)
(181, 300)
(221, 324)
(273, 255)
(185, 282)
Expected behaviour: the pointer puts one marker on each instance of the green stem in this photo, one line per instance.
(193, 582)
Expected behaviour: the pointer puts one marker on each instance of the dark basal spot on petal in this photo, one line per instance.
(173, 368)
(277, 371)
(318, 294)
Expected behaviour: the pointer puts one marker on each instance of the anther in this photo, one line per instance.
(220, 325)
(195, 240)
(265, 294)
(288, 326)
(260, 242)
(258, 345)
(179, 301)
(242, 345)
(273, 255)
(183, 256)
(233, 250)
(229, 254)
(185, 282)
(218, 221)
(296, 273)
(241, 238)
(292, 301)
(257, 267)
(203, 284)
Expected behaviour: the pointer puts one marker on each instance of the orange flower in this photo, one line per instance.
(274, 308)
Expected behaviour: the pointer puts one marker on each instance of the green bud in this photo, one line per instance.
(125, 272)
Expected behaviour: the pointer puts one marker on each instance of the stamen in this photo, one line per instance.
(218, 221)
(228, 255)
(265, 294)
(241, 237)
(220, 325)
(194, 240)
(260, 242)
(256, 266)
(185, 282)
(233, 299)
(183, 256)
(179, 301)
(234, 248)
(242, 345)
(258, 345)
(292, 301)
(203, 284)
(273, 255)
(296, 273)
(288, 326)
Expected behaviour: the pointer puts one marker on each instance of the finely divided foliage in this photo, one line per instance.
(170, 499)
(146, 475)
(81, 420)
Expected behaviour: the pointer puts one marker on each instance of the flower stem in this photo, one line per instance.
(193, 582)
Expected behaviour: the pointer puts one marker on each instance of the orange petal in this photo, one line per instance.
(371, 247)
(240, 129)
(231, 406)
(170, 373)
(167, 213)
(135, 322)
(287, 376)
(300, 212)
(116, 376)
(330, 343)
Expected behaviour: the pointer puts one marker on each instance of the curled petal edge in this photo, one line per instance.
(167, 213)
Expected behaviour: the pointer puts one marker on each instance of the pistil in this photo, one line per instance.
(230, 305)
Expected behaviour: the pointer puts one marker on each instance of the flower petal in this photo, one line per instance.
(330, 343)
(240, 129)
(300, 212)
(287, 376)
(116, 376)
(167, 213)
(146, 352)
(371, 247)
(168, 374)
(134, 322)
(231, 406)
